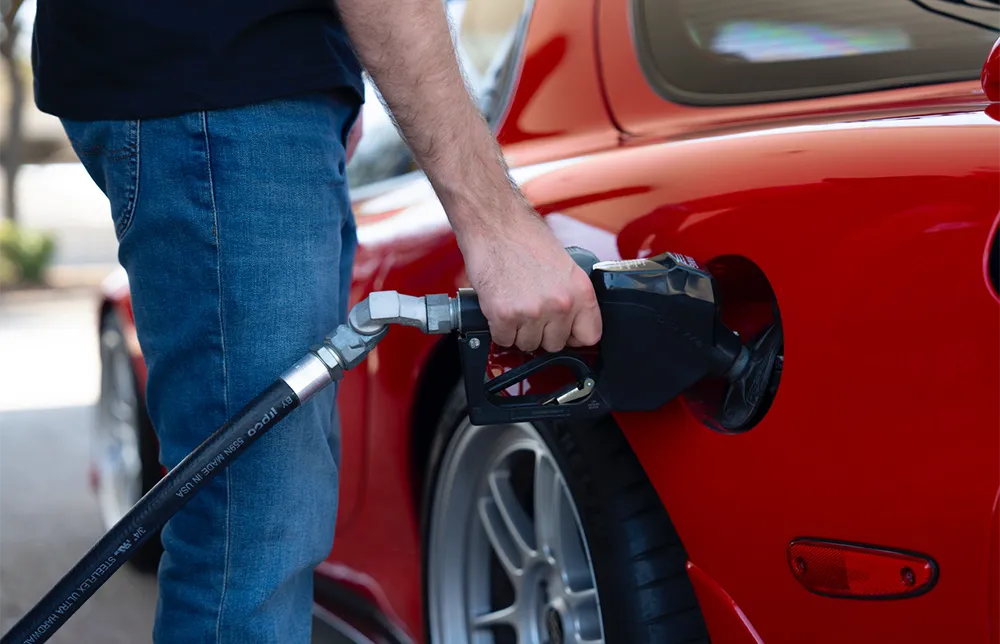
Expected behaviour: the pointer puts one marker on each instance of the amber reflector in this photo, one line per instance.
(855, 571)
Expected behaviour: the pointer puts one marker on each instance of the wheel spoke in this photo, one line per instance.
(557, 526)
(506, 549)
(548, 502)
(582, 599)
(586, 639)
(131, 463)
(121, 411)
(586, 615)
(517, 523)
(503, 616)
(571, 556)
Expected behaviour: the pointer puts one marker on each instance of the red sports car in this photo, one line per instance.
(836, 167)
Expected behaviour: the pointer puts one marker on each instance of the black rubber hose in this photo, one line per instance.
(153, 510)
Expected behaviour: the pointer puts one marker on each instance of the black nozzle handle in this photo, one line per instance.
(470, 316)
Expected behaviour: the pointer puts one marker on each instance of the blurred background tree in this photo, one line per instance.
(11, 151)
(25, 254)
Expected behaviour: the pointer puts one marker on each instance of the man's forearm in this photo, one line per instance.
(406, 47)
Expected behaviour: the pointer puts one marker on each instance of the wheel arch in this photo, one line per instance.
(440, 373)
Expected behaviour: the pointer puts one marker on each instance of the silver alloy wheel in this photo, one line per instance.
(508, 561)
(116, 435)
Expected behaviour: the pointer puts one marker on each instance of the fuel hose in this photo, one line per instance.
(172, 492)
(325, 363)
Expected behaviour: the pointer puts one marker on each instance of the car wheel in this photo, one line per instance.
(124, 446)
(548, 534)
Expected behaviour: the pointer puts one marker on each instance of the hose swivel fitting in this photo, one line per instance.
(367, 324)
(435, 314)
(346, 348)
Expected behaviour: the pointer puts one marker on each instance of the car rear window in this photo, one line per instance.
(752, 51)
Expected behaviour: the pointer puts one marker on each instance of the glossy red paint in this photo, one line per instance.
(726, 621)
(990, 77)
(557, 72)
(868, 216)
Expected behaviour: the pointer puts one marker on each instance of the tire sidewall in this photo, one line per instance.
(608, 559)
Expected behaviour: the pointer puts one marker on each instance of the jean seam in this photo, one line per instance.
(225, 370)
(135, 163)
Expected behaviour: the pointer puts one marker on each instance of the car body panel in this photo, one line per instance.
(861, 215)
(352, 449)
(725, 620)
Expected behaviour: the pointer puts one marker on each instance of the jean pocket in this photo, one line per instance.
(109, 150)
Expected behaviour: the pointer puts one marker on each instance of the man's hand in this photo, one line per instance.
(531, 291)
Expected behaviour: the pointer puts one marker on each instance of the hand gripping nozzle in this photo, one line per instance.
(662, 333)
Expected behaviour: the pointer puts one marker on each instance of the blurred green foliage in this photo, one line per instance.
(24, 254)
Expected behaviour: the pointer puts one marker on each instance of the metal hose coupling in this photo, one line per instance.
(367, 323)
(433, 314)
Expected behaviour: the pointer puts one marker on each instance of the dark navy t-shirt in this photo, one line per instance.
(130, 59)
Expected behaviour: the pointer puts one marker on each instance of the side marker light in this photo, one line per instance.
(856, 571)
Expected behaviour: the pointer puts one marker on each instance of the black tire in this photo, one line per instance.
(147, 558)
(638, 560)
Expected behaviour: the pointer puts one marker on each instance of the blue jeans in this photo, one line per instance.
(236, 231)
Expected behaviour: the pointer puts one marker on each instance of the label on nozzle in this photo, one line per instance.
(650, 264)
(622, 265)
(685, 260)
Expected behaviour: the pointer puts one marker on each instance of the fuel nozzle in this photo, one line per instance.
(662, 333)
(668, 306)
